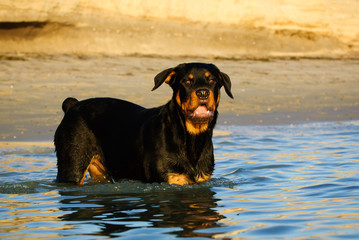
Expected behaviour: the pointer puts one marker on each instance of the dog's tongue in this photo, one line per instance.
(202, 111)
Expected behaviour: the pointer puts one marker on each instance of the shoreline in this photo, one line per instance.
(288, 118)
(46, 141)
(44, 135)
(273, 91)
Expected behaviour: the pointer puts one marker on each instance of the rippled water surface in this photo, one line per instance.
(271, 182)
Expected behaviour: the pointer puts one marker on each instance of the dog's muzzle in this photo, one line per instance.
(202, 94)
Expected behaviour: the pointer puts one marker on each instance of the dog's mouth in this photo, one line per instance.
(201, 113)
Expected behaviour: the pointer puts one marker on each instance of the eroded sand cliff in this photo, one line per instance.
(221, 28)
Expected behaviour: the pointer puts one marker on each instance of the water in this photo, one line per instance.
(270, 182)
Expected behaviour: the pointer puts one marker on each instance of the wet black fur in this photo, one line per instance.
(134, 142)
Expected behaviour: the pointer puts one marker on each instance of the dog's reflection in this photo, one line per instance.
(186, 210)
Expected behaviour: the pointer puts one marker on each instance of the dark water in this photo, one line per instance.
(271, 182)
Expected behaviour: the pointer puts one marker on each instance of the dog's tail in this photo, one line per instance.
(68, 103)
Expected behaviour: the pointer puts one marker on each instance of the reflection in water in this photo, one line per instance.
(30, 215)
(270, 182)
(184, 210)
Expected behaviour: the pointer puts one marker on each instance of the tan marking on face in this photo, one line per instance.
(179, 179)
(189, 104)
(211, 102)
(192, 101)
(195, 128)
(207, 74)
(168, 78)
(190, 76)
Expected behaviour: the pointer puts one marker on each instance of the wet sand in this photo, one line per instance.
(274, 91)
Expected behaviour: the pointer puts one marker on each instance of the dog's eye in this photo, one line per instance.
(211, 81)
(188, 82)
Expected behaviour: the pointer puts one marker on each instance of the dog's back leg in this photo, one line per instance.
(78, 152)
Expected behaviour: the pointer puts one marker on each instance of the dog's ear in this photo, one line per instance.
(164, 76)
(226, 82)
(168, 76)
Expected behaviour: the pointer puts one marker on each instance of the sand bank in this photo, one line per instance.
(215, 28)
(265, 92)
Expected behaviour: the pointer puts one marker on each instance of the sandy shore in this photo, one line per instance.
(204, 28)
(275, 91)
(289, 60)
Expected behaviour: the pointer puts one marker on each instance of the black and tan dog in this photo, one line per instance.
(113, 139)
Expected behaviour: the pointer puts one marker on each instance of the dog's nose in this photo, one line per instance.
(202, 93)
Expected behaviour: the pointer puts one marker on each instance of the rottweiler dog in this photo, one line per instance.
(114, 139)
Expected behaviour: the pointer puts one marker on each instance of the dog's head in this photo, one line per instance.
(196, 92)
